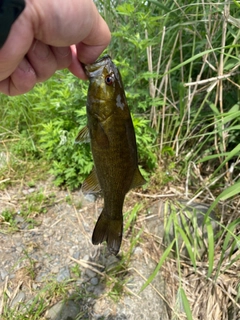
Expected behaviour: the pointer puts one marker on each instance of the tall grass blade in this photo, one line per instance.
(188, 246)
(210, 235)
(160, 263)
(230, 192)
(129, 217)
(224, 195)
(186, 304)
(164, 8)
(230, 243)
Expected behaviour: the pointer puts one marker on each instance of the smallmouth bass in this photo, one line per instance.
(114, 149)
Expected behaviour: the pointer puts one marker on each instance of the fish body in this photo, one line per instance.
(114, 149)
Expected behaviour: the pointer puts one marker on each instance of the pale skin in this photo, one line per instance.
(48, 36)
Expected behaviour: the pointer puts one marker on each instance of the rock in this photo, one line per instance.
(90, 197)
(47, 220)
(99, 289)
(144, 305)
(51, 233)
(110, 262)
(190, 218)
(76, 255)
(89, 273)
(35, 286)
(138, 251)
(42, 276)
(101, 309)
(94, 281)
(19, 219)
(3, 274)
(55, 269)
(74, 252)
(86, 257)
(19, 249)
(63, 274)
(63, 310)
(20, 297)
(60, 235)
(30, 190)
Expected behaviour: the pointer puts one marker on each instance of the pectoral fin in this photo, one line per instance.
(91, 184)
(101, 137)
(138, 179)
(83, 136)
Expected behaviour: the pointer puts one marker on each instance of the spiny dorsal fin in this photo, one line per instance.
(138, 179)
(83, 136)
(91, 184)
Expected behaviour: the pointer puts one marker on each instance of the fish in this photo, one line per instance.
(113, 147)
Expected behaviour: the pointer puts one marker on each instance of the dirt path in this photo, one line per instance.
(50, 263)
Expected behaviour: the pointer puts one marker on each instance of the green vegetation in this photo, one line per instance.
(26, 211)
(180, 66)
(35, 309)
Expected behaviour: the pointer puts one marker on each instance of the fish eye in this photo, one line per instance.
(109, 79)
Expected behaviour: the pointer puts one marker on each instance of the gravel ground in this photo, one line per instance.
(56, 247)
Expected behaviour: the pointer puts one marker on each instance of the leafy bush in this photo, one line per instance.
(172, 63)
(45, 122)
(71, 162)
(179, 63)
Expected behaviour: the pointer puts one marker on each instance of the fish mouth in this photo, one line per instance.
(95, 69)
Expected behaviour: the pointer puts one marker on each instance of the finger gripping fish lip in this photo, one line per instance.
(95, 69)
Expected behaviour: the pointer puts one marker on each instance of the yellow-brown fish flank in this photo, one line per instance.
(114, 149)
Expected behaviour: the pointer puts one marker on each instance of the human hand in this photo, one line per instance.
(48, 36)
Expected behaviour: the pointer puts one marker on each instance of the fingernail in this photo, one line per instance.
(25, 66)
(63, 51)
(40, 49)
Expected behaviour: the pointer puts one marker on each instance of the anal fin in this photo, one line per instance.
(138, 179)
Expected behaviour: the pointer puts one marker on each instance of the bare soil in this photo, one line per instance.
(49, 254)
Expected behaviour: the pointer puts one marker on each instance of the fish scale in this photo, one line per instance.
(114, 149)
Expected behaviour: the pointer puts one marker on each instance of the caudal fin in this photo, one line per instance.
(110, 231)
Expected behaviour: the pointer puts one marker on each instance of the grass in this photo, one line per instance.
(26, 209)
(47, 293)
(180, 65)
(205, 275)
(36, 308)
(202, 141)
(214, 266)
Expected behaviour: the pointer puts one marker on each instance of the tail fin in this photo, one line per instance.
(110, 231)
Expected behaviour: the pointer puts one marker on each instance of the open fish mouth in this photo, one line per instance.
(96, 69)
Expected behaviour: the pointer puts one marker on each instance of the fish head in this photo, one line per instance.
(105, 88)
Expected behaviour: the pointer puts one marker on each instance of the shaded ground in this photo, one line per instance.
(49, 257)
(49, 268)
